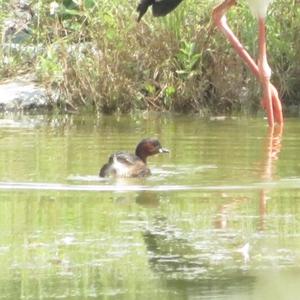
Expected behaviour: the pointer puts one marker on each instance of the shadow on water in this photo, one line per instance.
(188, 265)
(191, 267)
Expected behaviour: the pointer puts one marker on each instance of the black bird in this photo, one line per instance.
(160, 8)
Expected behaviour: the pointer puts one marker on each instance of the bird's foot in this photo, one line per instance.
(276, 111)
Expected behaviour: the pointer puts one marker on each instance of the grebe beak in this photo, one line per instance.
(163, 150)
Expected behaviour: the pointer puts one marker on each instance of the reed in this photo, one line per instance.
(101, 59)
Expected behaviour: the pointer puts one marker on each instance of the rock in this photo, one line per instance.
(16, 28)
(23, 94)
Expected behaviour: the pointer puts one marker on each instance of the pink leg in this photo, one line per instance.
(270, 102)
(265, 72)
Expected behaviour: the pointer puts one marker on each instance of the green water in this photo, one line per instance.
(218, 219)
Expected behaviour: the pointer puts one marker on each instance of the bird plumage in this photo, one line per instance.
(259, 7)
(124, 164)
(160, 8)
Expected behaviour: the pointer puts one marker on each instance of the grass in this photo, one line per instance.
(99, 58)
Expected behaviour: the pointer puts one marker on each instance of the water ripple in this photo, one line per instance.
(125, 186)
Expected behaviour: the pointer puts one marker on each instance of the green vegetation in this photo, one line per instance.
(99, 58)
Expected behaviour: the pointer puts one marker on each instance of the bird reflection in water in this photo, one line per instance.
(148, 199)
(271, 150)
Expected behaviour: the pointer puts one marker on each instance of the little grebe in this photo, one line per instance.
(123, 164)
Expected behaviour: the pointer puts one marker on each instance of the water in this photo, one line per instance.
(218, 219)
